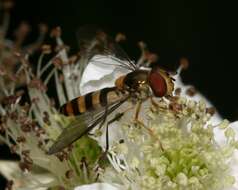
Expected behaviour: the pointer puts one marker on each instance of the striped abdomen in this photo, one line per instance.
(92, 101)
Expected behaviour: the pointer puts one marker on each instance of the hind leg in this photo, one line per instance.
(115, 118)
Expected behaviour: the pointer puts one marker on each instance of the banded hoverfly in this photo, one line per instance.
(93, 108)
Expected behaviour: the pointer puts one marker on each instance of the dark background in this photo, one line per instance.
(203, 31)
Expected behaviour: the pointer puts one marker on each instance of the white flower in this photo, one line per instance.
(219, 135)
(12, 172)
(174, 147)
(97, 186)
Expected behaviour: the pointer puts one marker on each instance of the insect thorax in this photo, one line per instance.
(136, 83)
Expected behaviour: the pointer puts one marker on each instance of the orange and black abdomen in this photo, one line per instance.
(91, 101)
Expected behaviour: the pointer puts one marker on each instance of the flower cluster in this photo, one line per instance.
(175, 149)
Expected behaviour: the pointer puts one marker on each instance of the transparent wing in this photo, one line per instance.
(94, 41)
(82, 125)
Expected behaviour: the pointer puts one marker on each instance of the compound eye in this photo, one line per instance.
(157, 84)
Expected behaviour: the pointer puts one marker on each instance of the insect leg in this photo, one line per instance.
(116, 118)
(138, 108)
(153, 102)
(104, 119)
(151, 133)
(136, 118)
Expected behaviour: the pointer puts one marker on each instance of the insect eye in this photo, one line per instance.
(157, 84)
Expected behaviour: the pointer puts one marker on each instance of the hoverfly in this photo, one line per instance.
(93, 108)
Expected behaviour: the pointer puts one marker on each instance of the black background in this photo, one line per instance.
(203, 31)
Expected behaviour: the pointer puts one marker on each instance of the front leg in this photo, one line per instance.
(138, 109)
(153, 102)
(150, 131)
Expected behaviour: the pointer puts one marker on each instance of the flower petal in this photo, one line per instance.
(234, 168)
(234, 163)
(97, 186)
(11, 171)
(221, 139)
